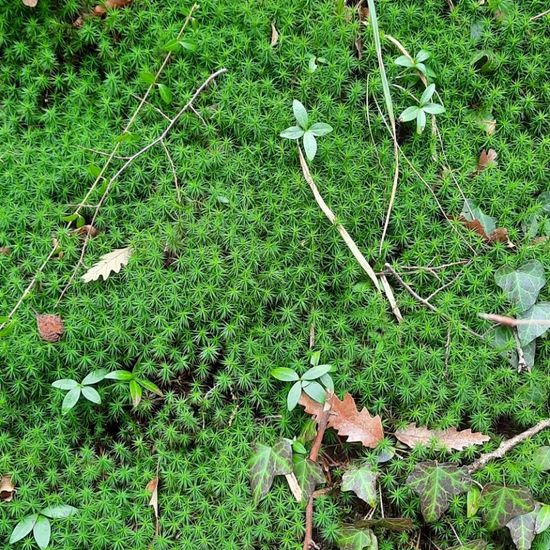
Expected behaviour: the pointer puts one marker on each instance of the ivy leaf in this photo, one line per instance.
(362, 481)
(391, 524)
(113, 261)
(522, 529)
(500, 504)
(42, 531)
(473, 500)
(436, 484)
(523, 285)
(529, 332)
(478, 544)
(542, 459)
(471, 212)
(351, 538)
(308, 473)
(268, 462)
(543, 519)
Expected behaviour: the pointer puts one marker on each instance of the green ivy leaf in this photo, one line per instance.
(23, 528)
(539, 312)
(352, 538)
(523, 285)
(308, 473)
(42, 531)
(471, 212)
(500, 504)
(478, 544)
(268, 462)
(522, 529)
(436, 484)
(541, 459)
(543, 519)
(362, 481)
(473, 499)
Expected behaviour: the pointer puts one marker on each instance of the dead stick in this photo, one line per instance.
(510, 321)
(507, 445)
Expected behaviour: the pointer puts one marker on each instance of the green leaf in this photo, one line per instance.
(316, 372)
(147, 77)
(165, 93)
(427, 95)
(476, 30)
(478, 544)
(300, 114)
(500, 504)
(294, 132)
(437, 484)
(420, 121)
(410, 113)
(391, 524)
(315, 391)
(433, 108)
(94, 377)
(176, 45)
(70, 400)
(135, 392)
(91, 394)
(94, 170)
(543, 519)
(541, 459)
(123, 375)
(308, 473)
(362, 481)
(310, 145)
(149, 386)
(126, 137)
(298, 447)
(65, 384)
(9, 325)
(59, 512)
(268, 462)
(294, 395)
(539, 312)
(471, 212)
(315, 358)
(320, 129)
(42, 532)
(326, 380)
(422, 55)
(285, 374)
(404, 61)
(352, 538)
(422, 68)
(523, 285)
(23, 528)
(70, 218)
(522, 529)
(472, 502)
(544, 199)
(312, 66)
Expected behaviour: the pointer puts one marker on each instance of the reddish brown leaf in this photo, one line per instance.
(5, 250)
(50, 327)
(486, 158)
(85, 230)
(109, 5)
(152, 487)
(7, 489)
(450, 438)
(499, 235)
(364, 15)
(347, 420)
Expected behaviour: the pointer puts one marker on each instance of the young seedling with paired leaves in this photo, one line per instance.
(136, 385)
(39, 524)
(76, 389)
(306, 131)
(416, 63)
(315, 382)
(424, 107)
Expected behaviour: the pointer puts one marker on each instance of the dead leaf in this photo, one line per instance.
(113, 261)
(50, 327)
(30, 3)
(359, 47)
(87, 230)
(364, 15)
(499, 235)
(5, 250)
(7, 489)
(486, 158)
(294, 486)
(347, 420)
(152, 487)
(109, 5)
(450, 438)
(274, 35)
(58, 251)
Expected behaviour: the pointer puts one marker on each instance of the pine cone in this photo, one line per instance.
(50, 327)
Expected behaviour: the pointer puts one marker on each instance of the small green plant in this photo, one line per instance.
(149, 79)
(424, 107)
(308, 132)
(39, 524)
(315, 382)
(136, 385)
(417, 63)
(76, 389)
(314, 62)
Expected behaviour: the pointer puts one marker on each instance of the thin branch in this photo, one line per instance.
(535, 17)
(103, 153)
(445, 286)
(159, 111)
(507, 445)
(522, 363)
(391, 298)
(510, 321)
(173, 167)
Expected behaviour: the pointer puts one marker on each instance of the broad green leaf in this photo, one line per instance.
(404, 61)
(476, 30)
(326, 380)
(308, 473)
(94, 170)
(293, 132)
(478, 544)
(147, 77)
(391, 524)
(285, 374)
(300, 114)
(23, 528)
(315, 391)
(59, 512)
(522, 529)
(544, 199)
(126, 137)
(122, 375)
(149, 386)
(362, 481)
(538, 312)
(433, 108)
(176, 45)
(65, 384)
(543, 519)
(310, 145)
(320, 129)
(294, 395)
(268, 462)
(427, 94)
(42, 532)
(165, 93)
(410, 113)
(422, 55)
(473, 498)
(298, 447)
(422, 68)
(500, 504)
(135, 392)
(315, 358)
(352, 538)
(94, 377)
(91, 394)
(471, 212)
(437, 484)
(420, 121)
(316, 372)
(9, 325)
(523, 285)
(70, 400)
(541, 459)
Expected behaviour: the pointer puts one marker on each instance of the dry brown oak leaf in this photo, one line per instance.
(450, 438)
(50, 327)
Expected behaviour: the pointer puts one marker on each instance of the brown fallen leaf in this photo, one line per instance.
(450, 438)
(5, 250)
(109, 5)
(364, 15)
(486, 158)
(50, 327)
(30, 3)
(499, 235)
(347, 420)
(274, 35)
(152, 487)
(86, 230)
(359, 47)
(7, 489)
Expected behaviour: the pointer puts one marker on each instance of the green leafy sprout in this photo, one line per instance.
(417, 63)
(420, 111)
(308, 132)
(136, 385)
(76, 389)
(314, 62)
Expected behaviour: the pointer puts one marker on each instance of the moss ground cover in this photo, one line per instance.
(225, 285)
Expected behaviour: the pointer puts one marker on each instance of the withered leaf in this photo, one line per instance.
(522, 529)
(5, 250)
(152, 487)
(478, 544)
(450, 438)
(113, 261)
(347, 420)
(109, 5)
(7, 489)
(87, 231)
(30, 3)
(359, 47)
(485, 226)
(362, 481)
(391, 524)
(364, 15)
(50, 327)
(274, 35)
(486, 158)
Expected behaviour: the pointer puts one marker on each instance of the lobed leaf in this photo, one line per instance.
(522, 529)
(268, 462)
(529, 332)
(109, 263)
(352, 538)
(449, 439)
(500, 504)
(309, 474)
(522, 286)
(362, 481)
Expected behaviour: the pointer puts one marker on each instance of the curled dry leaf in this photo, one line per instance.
(50, 327)
(7, 489)
(114, 261)
(30, 3)
(274, 35)
(486, 158)
(152, 487)
(450, 439)
(5, 250)
(109, 5)
(347, 420)
(87, 230)
(485, 226)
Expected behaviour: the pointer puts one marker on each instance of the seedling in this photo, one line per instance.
(39, 524)
(315, 382)
(314, 62)
(419, 112)
(148, 78)
(135, 384)
(417, 63)
(75, 389)
(308, 132)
